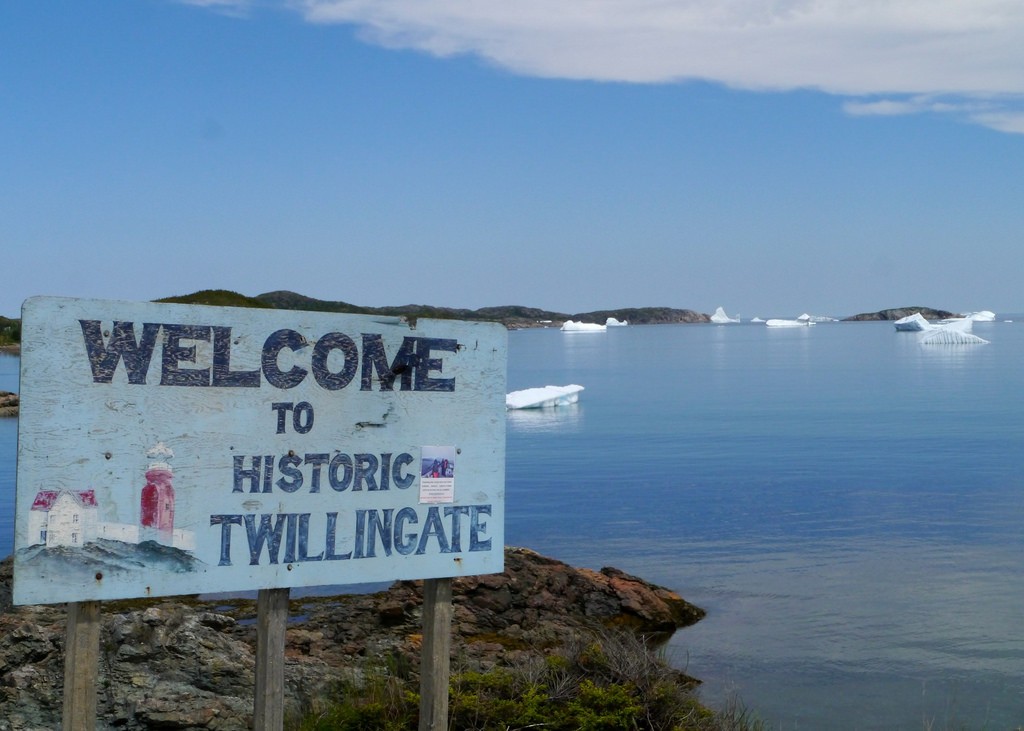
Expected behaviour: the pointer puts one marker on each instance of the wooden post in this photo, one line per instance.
(435, 660)
(271, 622)
(81, 663)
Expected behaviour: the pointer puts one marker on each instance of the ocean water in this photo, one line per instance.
(846, 504)
(9, 365)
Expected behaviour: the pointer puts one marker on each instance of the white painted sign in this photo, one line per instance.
(176, 449)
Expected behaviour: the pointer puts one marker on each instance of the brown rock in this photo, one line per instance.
(183, 664)
(8, 403)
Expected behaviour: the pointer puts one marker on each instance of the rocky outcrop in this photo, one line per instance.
(8, 403)
(644, 316)
(900, 312)
(189, 664)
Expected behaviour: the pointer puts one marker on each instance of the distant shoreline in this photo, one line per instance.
(513, 317)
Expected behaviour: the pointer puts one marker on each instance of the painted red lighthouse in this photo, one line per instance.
(157, 513)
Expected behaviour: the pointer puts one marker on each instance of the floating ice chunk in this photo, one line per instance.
(913, 323)
(954, 331)
(950, 336)
(720, 318)
(756, 319)
(963, 324)
(581, 327)
(539, 398)
(982, 316)
(612, 322)
(788, 323)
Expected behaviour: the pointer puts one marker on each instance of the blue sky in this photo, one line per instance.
(770, 156)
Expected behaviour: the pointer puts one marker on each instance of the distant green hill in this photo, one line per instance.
(217, 297)
(284, 300)
(512, 316)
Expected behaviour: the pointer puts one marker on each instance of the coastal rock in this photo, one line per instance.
(8, 403)
(188, 664)
(900, 312)
(645, 316)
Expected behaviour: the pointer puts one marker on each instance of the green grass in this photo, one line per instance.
(607, 682)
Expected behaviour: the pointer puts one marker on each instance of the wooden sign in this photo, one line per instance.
(177, 449)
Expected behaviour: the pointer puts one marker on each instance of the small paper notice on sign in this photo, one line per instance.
(437, 475)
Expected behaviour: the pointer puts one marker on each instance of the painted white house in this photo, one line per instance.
(63, 518)
(71, 518)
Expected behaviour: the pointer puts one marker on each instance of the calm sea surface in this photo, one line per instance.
(846, 504)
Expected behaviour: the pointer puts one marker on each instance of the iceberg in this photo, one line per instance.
(788, 323)
(913, 323)
(543, 397)
(982, 316)
(581, 327)
(964, 324)
(950, 336)
(917, 323)
(720, 318)
(756, 319)
(612, 322)
(952, 332)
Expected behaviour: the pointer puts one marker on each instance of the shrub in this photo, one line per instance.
(609, 682)
(10, 331)
(373, 700)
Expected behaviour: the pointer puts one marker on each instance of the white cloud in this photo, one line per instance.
(882, 108)
(853, 48)
(1005, 114)
(841, 46)
(1003, 120)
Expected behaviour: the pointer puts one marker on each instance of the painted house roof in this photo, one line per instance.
(46, 498)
